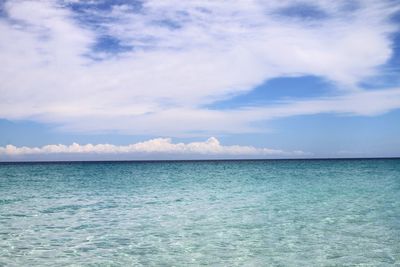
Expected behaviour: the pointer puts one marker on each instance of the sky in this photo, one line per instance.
(132, 79)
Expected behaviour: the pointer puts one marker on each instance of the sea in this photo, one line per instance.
(343, 212)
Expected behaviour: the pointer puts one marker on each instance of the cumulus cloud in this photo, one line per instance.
(155, 146)
(180, 56)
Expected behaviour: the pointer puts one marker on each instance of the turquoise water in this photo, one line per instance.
(226, 213)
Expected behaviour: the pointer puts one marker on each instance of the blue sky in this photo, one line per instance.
(187, 79)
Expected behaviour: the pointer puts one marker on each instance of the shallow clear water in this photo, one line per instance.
(231, 213)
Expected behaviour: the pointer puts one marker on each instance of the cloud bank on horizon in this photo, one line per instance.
(156, 67)
(158, 146)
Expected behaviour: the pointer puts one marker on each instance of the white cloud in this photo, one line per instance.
(155, 146)
(217, 49)
(199, 122)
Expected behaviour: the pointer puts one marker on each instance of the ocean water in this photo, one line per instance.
(214, 213)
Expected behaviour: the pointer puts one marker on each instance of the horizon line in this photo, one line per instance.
(194, 160)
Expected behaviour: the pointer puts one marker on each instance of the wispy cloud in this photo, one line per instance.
(183, 55)
(186, 121)
(209, 147)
